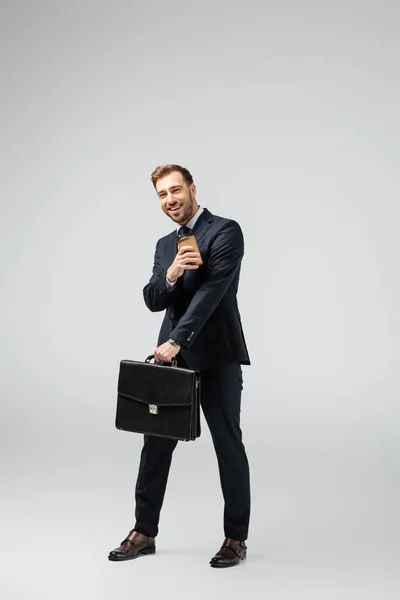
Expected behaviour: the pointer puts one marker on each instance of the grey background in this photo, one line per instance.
(287, 115)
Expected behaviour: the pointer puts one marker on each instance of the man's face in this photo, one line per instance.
(177, 197)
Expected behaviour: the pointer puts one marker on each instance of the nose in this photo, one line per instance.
(171, 200)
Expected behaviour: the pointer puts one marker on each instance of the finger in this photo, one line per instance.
(190, 260)
(190, 254)
(184, 249)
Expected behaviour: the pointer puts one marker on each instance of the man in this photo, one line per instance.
(202, 329)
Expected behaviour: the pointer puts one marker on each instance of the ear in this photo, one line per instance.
(193, 189)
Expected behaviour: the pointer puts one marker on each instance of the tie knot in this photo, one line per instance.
(183, 231)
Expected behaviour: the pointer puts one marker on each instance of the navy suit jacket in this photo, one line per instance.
(201, 310)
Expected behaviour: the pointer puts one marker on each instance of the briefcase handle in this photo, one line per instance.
(174, 362)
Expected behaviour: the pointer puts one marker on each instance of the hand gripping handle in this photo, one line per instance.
(174, 362)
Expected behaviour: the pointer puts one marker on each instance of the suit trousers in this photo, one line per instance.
(221, 390)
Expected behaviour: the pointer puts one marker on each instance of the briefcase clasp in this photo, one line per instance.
(153, 409)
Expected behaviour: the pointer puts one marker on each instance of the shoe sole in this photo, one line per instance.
(140, 553)
(222, 566)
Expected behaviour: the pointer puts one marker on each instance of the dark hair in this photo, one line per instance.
(164, 170)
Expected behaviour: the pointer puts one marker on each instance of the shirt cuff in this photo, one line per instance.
(170, 285)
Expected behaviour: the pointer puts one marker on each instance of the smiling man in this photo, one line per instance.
(203, 331)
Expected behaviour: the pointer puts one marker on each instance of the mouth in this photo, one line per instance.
(175, 209)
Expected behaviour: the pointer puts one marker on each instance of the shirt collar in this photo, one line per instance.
(193, 220)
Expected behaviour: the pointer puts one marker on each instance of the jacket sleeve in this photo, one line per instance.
(226, 254)
(157, 295)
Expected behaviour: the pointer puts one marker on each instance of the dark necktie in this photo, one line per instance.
(183, 231)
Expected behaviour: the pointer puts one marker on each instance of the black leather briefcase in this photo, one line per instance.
(158, 399)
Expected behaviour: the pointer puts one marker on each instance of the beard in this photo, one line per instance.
(188, 208)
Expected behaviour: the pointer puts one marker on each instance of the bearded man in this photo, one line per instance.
(202, 330)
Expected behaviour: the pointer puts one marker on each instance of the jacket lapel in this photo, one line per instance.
(202, 224)
(172, 248)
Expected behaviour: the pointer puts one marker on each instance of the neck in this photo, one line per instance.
(192, 215)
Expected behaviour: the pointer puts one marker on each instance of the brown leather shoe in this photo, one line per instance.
(134, 545)
(231, 553)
